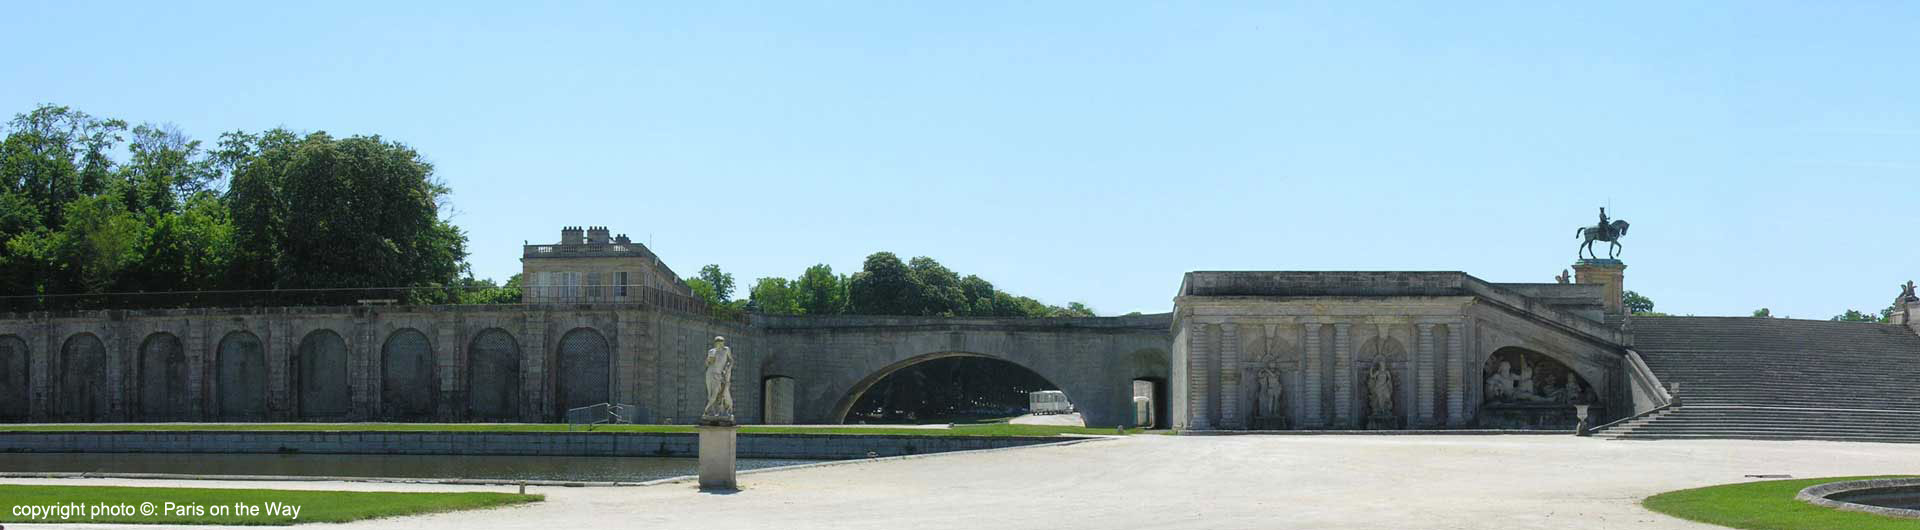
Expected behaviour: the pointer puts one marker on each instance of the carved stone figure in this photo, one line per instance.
(1563, 278)
(1380, 389)
(1523, 386)
(1273, 394)
(1907, 295)
(1500, 383)
(719, 409)
(1610, 232)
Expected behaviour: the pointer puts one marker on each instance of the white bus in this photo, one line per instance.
(1048, 402)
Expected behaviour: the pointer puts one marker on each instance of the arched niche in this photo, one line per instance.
(16, 382)
(406, 376)
(163, 378)
(1526, 389)
(83, 380)
(240, 378)
(493, 377)
(1382, 390)
(324, 390)
(585, 376)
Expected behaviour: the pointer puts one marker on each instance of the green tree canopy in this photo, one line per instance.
(83, 213)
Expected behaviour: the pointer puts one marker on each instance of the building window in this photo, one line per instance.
(620, 283)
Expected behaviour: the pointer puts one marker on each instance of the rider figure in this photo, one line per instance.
(1603, 220)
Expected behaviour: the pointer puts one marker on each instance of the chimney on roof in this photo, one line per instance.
(570, 235)
(622, 239)
(597, 235)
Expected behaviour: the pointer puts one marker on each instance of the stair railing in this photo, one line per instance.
(1649, 383)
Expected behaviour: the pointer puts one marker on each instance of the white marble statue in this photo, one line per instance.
(719, 383)
(1380, 389)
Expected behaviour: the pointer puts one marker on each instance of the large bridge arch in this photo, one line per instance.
(844, 407)
(834, 360)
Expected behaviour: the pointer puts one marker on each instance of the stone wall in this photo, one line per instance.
(795, 446)
(401, 363)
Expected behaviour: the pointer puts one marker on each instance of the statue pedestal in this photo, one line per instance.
(1383, 422)
(717, 444)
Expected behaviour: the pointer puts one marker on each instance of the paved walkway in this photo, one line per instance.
(1423, 482)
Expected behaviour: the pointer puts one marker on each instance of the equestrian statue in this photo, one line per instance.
(1605, 231)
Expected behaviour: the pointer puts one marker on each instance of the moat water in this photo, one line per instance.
(562, 468)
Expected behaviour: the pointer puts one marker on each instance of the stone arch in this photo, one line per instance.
(83, 380)
(776, 396)
(493, 376)
(1525, 388)
(241, 378)
(322, 386)
(406, 376)
(585, 375)
(163, 378)
(858, 389)
(16, 383)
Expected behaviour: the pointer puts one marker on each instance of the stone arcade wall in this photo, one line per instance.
(519, 363)
(402, 363)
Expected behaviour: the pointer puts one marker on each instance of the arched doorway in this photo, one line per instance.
(776, 400)
(241, 378)
(1526, 389)
(324, 392)
(493, 377)
(585, 376)
(163, 378)
(15, 386)
(406, 377)
(946, 387)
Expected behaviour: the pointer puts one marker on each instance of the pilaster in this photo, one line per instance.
(1343, 374)
(448, 357)
(366, 402)
(115, 342)
(278, 358)
(196, 344)
(533, 371)
(1313, 388)
(1199, 377)
(1230, 376)
(1457, 376)
(1423, 378)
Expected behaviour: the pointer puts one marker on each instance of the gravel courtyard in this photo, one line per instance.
(1437, 482)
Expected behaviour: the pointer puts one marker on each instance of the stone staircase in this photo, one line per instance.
(1779, 379)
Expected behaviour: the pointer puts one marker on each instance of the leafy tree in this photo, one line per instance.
(320, 212)
(820, 292)
(1762, 313)
(884, 286)
(774, 296)
(721, 282)
(1637, 304)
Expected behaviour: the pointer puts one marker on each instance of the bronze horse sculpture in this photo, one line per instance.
(1608, 232)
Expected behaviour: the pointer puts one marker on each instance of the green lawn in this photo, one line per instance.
(993, 429)
(312, 506)
(1768, 505)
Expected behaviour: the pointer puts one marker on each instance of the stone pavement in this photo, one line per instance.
(1404, 481)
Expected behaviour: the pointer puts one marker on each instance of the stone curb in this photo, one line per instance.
(1817, 496)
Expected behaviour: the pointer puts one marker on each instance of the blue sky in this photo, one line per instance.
(1764, 152)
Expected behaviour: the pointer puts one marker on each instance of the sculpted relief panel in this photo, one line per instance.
(1525, 389)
